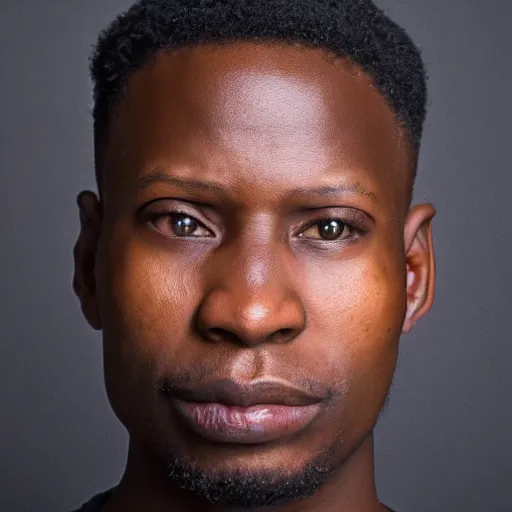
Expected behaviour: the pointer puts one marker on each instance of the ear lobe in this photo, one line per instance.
(84, 253)
(420, 264)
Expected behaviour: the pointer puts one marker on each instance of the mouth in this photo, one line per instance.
(228, 412)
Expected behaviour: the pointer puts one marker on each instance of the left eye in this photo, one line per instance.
(180, 225)
(327, 229)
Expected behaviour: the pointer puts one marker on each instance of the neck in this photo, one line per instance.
(350, 489)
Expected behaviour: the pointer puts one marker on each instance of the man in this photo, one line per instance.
(252, 256)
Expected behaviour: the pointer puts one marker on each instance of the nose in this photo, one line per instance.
(251, 301)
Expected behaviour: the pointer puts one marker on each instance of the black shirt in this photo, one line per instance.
(100, 500)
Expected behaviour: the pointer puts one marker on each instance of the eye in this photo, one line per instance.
(328, 229)
(180, 225)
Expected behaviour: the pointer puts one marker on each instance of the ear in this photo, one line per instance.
(420, 263)
(84, 252)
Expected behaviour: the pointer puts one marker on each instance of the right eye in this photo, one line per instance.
(179, 225)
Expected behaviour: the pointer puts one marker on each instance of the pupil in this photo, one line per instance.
(330, 229)
(184, 225)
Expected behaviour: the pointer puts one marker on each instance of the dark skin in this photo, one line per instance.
(254, 289)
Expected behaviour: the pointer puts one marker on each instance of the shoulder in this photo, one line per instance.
(95, 503)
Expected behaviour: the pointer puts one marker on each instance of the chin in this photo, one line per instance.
(256, 478)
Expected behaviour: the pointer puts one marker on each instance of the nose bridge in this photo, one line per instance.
(259, 282)
(258, 262)
(252, 299)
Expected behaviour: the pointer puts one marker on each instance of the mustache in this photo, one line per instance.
(199, 375)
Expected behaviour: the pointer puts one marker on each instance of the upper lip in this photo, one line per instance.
(230, 392)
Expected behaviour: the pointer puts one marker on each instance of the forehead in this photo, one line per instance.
(272, 113)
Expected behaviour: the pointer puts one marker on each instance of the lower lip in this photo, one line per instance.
(244, 425)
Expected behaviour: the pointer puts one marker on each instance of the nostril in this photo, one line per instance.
(284, 335)
(216, 334)
(219, 334)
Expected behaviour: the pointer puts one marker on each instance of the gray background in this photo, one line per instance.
(444, 443)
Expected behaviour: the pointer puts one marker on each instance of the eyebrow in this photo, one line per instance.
(159, 176)
(335, 190)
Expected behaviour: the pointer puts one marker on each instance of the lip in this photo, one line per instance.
(244, 425)
(230, 392)
(225, 411)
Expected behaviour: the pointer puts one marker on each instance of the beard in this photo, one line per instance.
(251, 489)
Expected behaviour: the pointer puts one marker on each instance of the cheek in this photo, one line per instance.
(147, 303)
(358, 310)
(363, 298)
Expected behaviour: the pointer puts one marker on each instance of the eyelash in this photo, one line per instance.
(355, 227)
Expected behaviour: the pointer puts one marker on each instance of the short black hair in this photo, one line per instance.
(354, 29)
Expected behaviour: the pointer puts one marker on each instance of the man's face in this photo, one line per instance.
(255, 204)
